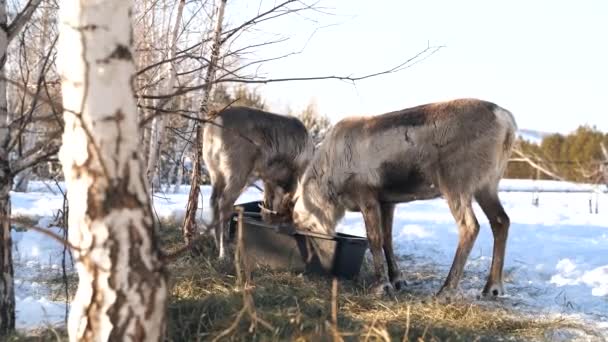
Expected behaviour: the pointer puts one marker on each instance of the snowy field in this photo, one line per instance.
(556, 263)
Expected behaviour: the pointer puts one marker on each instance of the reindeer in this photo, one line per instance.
(242, 145)
(457, 149)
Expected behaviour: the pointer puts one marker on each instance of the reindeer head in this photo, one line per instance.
(312, 211)
(278, 206)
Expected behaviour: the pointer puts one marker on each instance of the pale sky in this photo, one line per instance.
(545, 61)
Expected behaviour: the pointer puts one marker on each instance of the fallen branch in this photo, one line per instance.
(27, 225)
(537, 166)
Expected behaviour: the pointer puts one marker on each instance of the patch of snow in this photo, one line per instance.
(568, 274)
(414, 231)
(36, 312)
(598, 280)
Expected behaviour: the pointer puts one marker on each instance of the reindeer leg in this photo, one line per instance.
(234, 187)
(468, 228)
(217, 189)
(373, 224)
(394, 275)
(499, 221)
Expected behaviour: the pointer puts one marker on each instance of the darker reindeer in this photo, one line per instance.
(244, 144)
(457, 149)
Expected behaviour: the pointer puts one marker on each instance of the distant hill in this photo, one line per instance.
(531, 135)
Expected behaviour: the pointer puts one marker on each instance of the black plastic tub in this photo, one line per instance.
(281, 246)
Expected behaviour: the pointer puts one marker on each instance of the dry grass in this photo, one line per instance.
(49, 334)
(205, 302)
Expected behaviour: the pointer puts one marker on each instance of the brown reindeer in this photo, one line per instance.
(456, 149)
(244, 144)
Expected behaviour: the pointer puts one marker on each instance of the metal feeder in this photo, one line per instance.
(282, 246)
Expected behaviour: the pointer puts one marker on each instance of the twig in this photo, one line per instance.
(369, 331)
(65, 252)
(334, 310)
(407, 325)
(243, 279)
(233, 326)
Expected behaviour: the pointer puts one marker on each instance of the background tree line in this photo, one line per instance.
(579, 156)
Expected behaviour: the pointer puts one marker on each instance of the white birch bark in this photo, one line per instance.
(122, 287)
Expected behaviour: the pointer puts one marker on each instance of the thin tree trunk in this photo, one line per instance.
(7, 294)
(179, 177)
(122, 285)
(145, 80)
(7, 291)
(192, 206)
(189, 227)
(158, 125)
(182, 150)
(171, 172)
(170, 177)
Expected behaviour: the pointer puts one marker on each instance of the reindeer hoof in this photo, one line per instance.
(493, 290)
(382, 289)
(447, 295)
(399, 284)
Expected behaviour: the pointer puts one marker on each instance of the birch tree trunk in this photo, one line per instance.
(7, 294)
(122, 286)
(158, 124)
(189, 227)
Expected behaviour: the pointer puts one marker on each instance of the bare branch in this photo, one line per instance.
(429, 51)
(36, 96)
(42, 151)
(22, 17)
(27, 225)
(254, 20)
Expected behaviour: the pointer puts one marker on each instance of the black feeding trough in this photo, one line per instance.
(281, 246)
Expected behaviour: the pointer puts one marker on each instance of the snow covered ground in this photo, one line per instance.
(556, 263)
